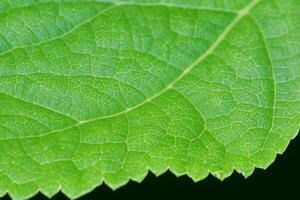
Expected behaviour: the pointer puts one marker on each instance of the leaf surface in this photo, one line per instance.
(103, 91)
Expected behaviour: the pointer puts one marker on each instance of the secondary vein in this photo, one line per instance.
(240, 15)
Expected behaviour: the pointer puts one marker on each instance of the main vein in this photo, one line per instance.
(108, 8)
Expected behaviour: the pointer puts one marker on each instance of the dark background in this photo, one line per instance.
(279, 181)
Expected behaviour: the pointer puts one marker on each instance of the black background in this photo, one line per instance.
(279, 181)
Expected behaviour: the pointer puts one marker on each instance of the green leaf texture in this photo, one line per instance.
(103, 91)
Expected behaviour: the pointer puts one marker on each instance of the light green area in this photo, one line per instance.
(103, 91)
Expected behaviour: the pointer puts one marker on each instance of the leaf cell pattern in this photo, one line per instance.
(103, 91)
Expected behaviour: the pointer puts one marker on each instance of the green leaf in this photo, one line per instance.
(103, 91)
